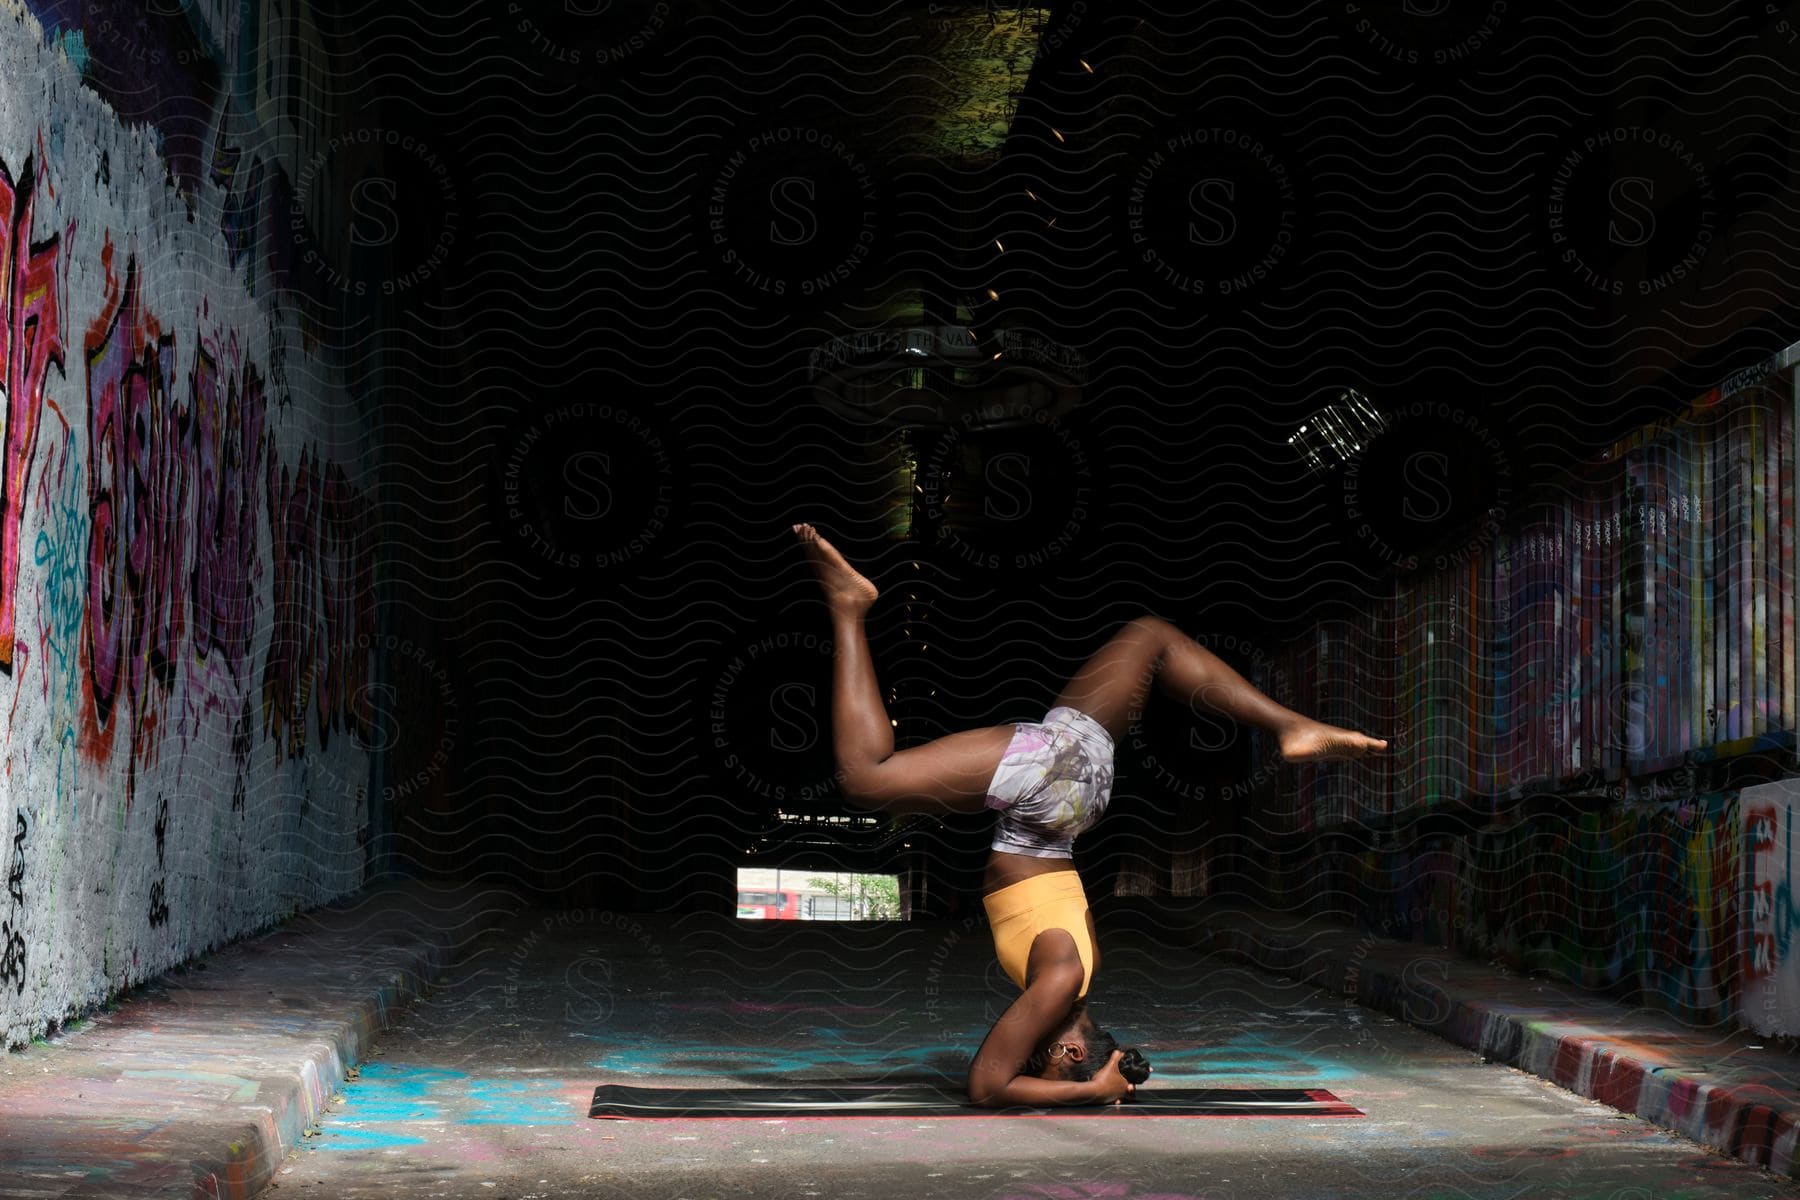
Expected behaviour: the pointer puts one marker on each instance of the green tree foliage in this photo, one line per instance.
(870, 897)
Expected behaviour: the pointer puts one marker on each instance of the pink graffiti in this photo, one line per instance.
(176, 479)
(227, 409)
(137, 494)
(30, 342)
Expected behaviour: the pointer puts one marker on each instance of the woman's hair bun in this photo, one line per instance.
(1134, 1067)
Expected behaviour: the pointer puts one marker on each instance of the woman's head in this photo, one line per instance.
(1080, 1049)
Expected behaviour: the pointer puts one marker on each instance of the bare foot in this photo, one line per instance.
(1313, 741)
(845, 589)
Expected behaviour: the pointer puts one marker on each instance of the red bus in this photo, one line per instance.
(768, 906)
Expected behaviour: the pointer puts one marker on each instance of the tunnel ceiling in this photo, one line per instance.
(970, 69)
(942, 80)
(1039, 172)
(1232, 212)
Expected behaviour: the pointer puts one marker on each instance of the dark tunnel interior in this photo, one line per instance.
(1266, 320)
(423, 706)
(700, 289)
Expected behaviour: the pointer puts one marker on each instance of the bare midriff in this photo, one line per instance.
(1004, 870)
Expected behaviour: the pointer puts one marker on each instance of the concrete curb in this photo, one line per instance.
(1635, 1060)
(300, 1095)
(201, 1082)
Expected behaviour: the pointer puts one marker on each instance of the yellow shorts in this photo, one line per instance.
(1020, 911)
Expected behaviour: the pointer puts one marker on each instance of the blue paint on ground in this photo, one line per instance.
(520, 1102)
(361, 1139)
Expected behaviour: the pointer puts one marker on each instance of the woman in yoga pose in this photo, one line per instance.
(1048, 781)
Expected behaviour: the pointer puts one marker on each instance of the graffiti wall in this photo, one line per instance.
(1566, 688)
(1771, 862)
(186, 568)
(1631, 620)
(1642, 901)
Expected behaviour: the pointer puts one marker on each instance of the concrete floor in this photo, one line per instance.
(481, 1090)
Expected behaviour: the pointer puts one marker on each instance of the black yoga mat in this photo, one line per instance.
(617, 1102)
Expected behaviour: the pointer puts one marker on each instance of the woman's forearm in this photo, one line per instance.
(1028, 1091)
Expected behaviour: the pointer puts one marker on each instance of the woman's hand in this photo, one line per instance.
(1110, 1087)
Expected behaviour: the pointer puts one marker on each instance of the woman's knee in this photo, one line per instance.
(1151, 629)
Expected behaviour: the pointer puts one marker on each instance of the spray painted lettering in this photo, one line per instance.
(12, 937)
(159, 899)
(30, 343)
(228, 449)
(137, 481)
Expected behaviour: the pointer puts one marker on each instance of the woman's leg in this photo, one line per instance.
(950, 774)
(1114, 684)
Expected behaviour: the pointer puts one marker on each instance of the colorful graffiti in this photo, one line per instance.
(147, 238)
(30, 344)
(174, 483)
(1621, 637)
(137, 491)
(1633, 623)
(1768, 941)
(1771, 859)
(60, 556)
(1636, 900)
(227, 410)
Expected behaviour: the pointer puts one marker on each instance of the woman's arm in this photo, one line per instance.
(1028, 1091)
(994, 1075)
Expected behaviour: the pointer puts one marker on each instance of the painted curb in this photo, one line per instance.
(204, 1082)
(1755, 1123)
(249, 1164)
